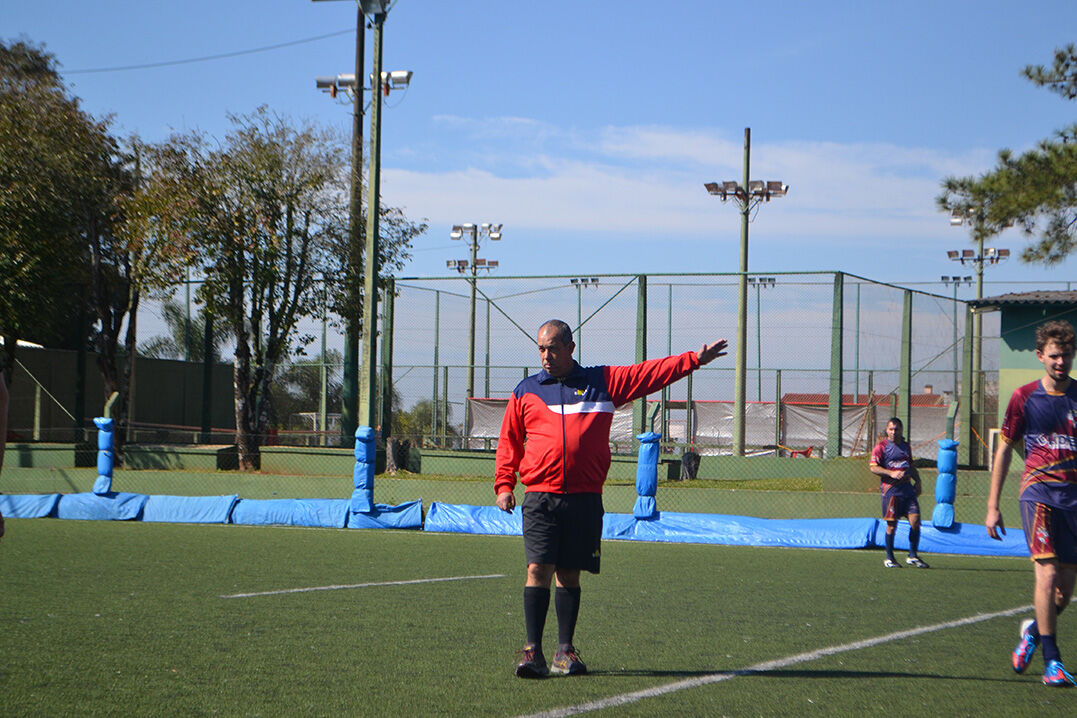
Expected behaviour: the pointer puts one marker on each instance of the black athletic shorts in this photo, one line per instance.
(563, 529)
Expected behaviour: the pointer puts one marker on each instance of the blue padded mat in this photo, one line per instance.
(405, 516)
(743, 531)
(113, 506)
(189, 509)
(28, 506)
(331, 513)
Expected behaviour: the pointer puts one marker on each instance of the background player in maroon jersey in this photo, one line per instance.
(899, 484)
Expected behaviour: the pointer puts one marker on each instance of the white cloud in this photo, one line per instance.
(649, 180)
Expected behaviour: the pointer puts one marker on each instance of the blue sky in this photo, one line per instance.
(589, 130)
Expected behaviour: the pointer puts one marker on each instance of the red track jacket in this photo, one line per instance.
(556, 434)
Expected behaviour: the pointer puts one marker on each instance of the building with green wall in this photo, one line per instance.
(1022, 313)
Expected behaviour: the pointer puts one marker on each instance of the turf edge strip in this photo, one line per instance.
(627, 698)
(360, 585)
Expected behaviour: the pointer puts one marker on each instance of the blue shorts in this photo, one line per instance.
(900, 501)
(1050, 532)
(563, 529)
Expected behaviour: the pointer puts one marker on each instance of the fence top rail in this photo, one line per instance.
(674, 275)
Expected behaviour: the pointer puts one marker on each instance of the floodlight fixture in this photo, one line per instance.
(757, 188)
(967, 254)
(1003, 253)
(399, 78)
(957, 217)
(492, 263)
(374, 7)
(713, 187)
(953, 254)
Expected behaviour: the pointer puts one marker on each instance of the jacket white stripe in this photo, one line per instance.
(583, 407)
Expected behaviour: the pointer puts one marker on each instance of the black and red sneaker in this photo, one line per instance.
(532, 664)
(567, 662)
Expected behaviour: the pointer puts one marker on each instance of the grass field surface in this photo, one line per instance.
(129, 618)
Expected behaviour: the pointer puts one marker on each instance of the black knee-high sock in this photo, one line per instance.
(914, 540)
(890, 546)
(567, 606)
(536, 604)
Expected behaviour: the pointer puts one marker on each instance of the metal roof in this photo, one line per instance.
(1017, 298)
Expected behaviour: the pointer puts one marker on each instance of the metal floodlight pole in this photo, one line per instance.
(959, 217)
(369, 329)
(353, 283)
(349, 410)
(471, 314)
(748, 194)
(742, 309)
(473, 232)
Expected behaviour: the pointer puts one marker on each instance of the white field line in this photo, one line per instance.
(361, 585)
(626, 698)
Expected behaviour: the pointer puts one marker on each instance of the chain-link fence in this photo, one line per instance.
(827, 358)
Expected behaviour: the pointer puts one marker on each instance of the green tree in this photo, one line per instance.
(184, 340)
(298, 387)
(266, 210)
(54, 166)
(1037, 190)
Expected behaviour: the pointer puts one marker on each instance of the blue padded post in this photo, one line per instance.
(103, 484)
(647, 476)
(363, 476)
(946, 485)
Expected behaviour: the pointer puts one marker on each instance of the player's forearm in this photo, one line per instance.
(999, 469)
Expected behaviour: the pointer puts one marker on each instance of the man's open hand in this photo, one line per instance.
(710, 352)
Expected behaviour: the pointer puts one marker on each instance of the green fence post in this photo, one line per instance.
(871, 406)
(833, 434)
(640, 418)
(964, 449)
(437, 337)
(777, 412)
(905, 378)
(208, 360)
(445, 405)
(388, 314)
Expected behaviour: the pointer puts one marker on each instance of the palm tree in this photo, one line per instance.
(186, 336)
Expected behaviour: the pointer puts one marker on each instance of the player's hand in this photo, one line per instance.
(994, 524)
(897, 474)
(506, 501)
(710, 352)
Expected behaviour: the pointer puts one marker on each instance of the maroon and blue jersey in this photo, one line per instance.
(1048, 423)
(889, 455)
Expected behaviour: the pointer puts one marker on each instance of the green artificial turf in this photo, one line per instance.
(127, 618)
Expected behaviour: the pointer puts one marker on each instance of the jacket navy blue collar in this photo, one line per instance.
(544, 376)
